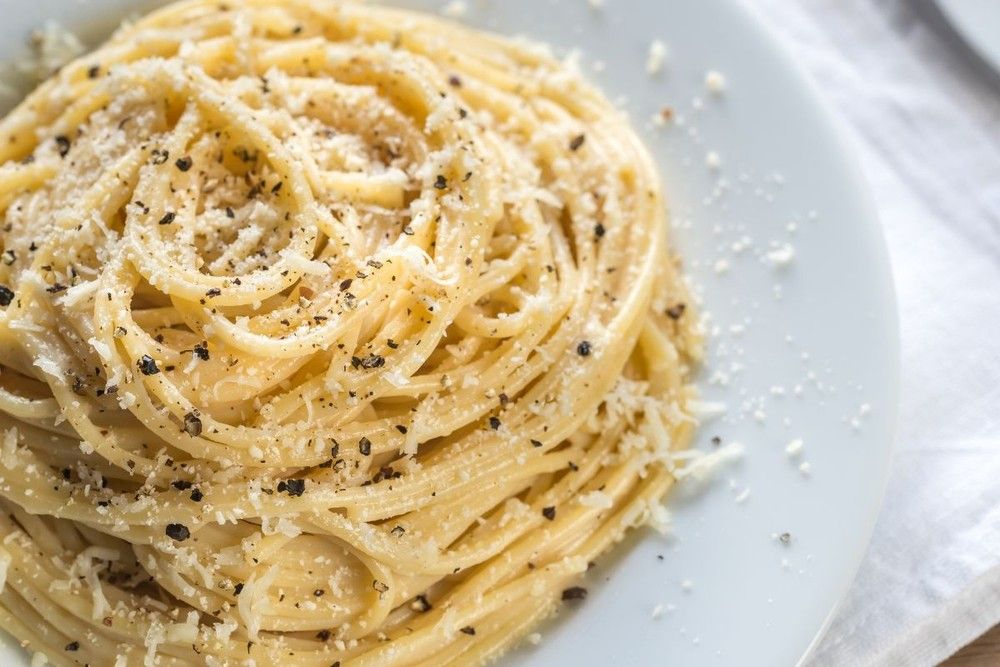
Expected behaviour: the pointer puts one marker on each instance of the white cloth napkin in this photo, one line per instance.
(926, 120)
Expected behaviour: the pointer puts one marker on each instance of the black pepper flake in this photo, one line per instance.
(786, 538)
(238, 588)
(365, 446)
(213, 291)
(192, 424)
(167, 218)
(62, 142)
(93, 71)
(373, 361)
(184, 163)
(504, 399)
(56, 288)
(422, 604)
(716, 440)
(549, 513)
(391, 343)
(408, 230)
(675, 312)
(574, 593)
(277, 188)
(147, 365)
(6, 295)
(318, 592)
(201, 351)
(402, 429)
(345, 284)
(468, 630)
(398, 531)
(230, 213)
(197, 495)
(536, 443)
(294, 487)
(323, 635)
(335, 449)
(577, 141)
(178, 531)
(379, 586)
(441, 182)
(599, 230)
(583, 349)
(245, 155)
(73, 646)
(453, 80)
(181, 485)
(159, 157)
(494, 423)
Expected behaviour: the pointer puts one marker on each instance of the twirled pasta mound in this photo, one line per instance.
(329, 334)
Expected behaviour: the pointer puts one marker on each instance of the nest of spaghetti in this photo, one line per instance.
(328, 333)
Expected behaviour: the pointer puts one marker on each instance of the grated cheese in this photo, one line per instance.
(9, 453)
(656, 57)
(701, 467)
(715, 82)
(781, 256)
(596, 500)
(5, 560)
(794, 448)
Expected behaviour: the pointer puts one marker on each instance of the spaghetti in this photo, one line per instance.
(329, 334)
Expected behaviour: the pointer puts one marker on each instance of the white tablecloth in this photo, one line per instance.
(925, 115)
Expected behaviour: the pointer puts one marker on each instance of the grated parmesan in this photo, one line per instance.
(656, 57)
(5, 560)
(794, 448)
(715, 82)
(596, 500)
(782, 255)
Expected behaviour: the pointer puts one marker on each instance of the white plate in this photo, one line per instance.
(825, 322)
(978, 22)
